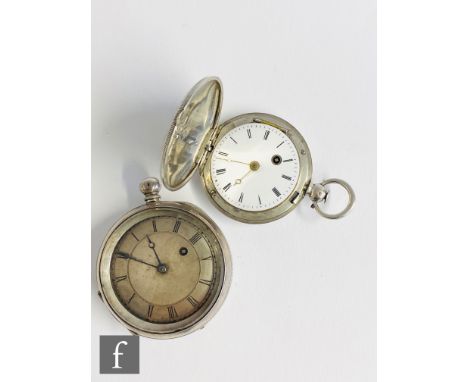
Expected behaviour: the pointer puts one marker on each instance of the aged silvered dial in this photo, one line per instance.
(256, 167)
(164, 269)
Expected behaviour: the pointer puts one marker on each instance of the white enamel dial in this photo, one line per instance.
(255, 167)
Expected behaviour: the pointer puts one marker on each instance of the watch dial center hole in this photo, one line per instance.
(254, 165)
(276, 159)
(162, 268)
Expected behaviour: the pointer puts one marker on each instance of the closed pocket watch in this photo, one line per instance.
(164, 268)
(256, 167)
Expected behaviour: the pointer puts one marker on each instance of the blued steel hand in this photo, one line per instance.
(161, 267)
(126, 256)
(152, 246)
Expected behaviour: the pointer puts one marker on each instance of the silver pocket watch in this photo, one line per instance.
(256, 167)
(164, 269)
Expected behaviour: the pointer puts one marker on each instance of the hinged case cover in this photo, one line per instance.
(191, 130)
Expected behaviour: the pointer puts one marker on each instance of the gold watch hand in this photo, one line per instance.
(232, 160)
(239, 181)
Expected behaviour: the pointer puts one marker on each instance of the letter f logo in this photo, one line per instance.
(117, 354)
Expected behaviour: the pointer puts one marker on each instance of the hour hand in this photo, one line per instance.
(152, 246)
(162, 268)
(239, 181)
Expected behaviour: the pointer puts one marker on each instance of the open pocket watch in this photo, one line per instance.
(164, 268)
(256, 167)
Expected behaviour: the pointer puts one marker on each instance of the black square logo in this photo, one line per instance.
(119, 354)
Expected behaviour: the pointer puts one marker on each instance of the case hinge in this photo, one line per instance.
(209, 146)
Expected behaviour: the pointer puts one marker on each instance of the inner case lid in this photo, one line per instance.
(191, 131)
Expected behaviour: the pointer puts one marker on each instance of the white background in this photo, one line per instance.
(45, 164)
(303, 300)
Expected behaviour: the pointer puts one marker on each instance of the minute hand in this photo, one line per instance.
(232, 160)
(125, 256)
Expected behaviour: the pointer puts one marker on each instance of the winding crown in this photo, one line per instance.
(150, 187)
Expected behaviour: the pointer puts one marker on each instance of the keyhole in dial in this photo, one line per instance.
(276, 159)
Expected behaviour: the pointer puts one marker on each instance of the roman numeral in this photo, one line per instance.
(134, 236)
(206, 282)
(196, 237)
(294, 197)
(286, 177)
(267, 133)
(275, 191)
(259, 200)
(287, 160)
(120, 278)
(150, 310)
(176, 226)
(154, 226)
(172, 312)
(131, 298)
(192, 301)
(249, 133)
(222, 153)
(280, 144)
(233, 140)
(220, 171)
(241, 197)
(227, 187)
